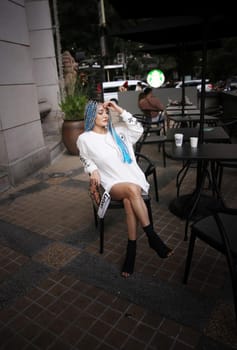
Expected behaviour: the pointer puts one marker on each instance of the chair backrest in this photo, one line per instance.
(151, 125)
(149, 168)
(219, 231)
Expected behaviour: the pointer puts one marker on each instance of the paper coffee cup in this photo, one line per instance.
(178, 139)
(194, 142)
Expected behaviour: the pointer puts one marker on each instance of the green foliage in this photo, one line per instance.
(75, 97)
(73, 106)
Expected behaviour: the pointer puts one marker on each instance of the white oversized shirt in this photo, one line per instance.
(100, 152)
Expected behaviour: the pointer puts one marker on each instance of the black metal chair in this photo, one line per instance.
(115, 204)
(157, 127)
(160, 123)
(230, 127)
(220, 232)
(220, 169)
(151, 135)
(149, 168)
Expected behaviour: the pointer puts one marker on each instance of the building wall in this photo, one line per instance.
(43, 51)
(28, 73)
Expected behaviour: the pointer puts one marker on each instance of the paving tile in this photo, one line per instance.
(133, 343)
(16, 342)
(58, 292)
(162, 341)
(72, 334)
(222, 326)
(57, 254)
(44, 340)
(116, 338)
(189, 336)
(20, 282)
(20, 239)
(143, 333)
(88, 341)
(100, 329)
(110, 316)
(58, 325)
(31, 331)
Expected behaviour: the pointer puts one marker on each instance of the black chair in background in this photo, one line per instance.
(151, 135)
(230, 126)
(220, 232)
(158, 127)
(220, 170)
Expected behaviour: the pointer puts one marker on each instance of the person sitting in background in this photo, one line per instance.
(151, 105)
(107, 154)
(139, 86)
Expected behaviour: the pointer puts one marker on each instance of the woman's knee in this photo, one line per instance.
(125, 190)
(134, 190)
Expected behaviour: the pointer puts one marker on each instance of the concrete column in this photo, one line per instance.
(27, 73)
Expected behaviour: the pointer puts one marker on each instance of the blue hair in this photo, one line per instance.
(121, 144)
(90, 115)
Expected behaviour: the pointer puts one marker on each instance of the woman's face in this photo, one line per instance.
(102, 116)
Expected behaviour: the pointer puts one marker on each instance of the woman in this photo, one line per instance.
(108, 157)
(151, 105)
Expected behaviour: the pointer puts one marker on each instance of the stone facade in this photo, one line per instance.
(28, 75)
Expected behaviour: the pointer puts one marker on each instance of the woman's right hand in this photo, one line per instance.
(95, 178)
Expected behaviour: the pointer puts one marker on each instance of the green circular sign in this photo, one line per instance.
(155, 78)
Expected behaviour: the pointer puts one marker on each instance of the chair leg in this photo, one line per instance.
(164, 155)
(233, 276)
(220, 177)
(182, 172)
(189, 257)
(155, 184)
(95, 216)
(101, 231)
(148, 205)
(161, 146)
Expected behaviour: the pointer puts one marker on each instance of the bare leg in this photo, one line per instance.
(131, 220)
(132, 193)
(129, 262)
(136, 208)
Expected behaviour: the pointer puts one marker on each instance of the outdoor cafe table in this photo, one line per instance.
(191, 120)
(179, 112)
(186, 206)
(179, 108)
(210, 134)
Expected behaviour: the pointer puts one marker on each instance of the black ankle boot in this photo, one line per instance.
(156, 243)
(129, 262)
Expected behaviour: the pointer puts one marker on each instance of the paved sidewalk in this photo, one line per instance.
(58, 292)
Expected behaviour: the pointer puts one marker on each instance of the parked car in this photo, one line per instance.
(197, 83)
(111, 88)
(231, 83)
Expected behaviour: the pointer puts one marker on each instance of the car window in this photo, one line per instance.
(191, 83)
(110, 89)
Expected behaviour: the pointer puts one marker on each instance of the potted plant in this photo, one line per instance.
(73, 106)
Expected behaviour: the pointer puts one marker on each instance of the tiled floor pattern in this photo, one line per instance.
(46, 307)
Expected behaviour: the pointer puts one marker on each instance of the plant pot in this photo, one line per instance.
(71, 129)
